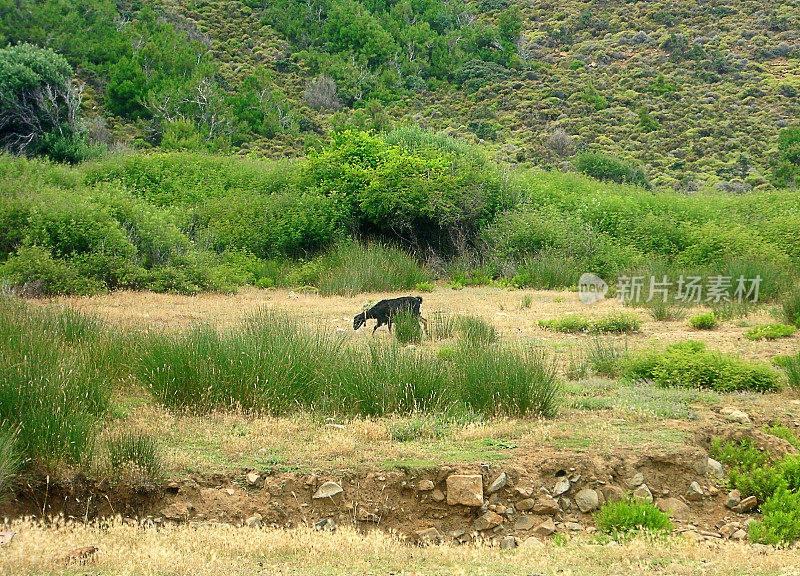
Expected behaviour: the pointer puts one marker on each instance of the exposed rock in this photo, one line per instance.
(498, 484)
(739, 535)
(613, 493)
(365, 515)
(733, 500)
(714, 468)
(328, 490)
(508, 542)
(565, 503)
(427, 536)
(694, 493)
(561, 487)
(735, 415)
(326, 524)
(488, 521)
(676, 508)
(176, 511)
(229, 491)
(746, 505)
(545, 528)
(425, 485)
(643, 494)
(525, 522)
(636, 480)
(252, 478)
(587, 500)
(574, 526)
(466, 489)
(533, 542)
(253, 521)
(545, 505)
(728, 530)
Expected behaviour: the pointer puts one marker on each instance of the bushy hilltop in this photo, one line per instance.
(696, 92)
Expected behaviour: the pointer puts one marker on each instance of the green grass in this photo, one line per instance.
(666, 311)
(770, 332)
(407, 329)
(688, 364)
(704, 321)
(616, 323)
(791, 367)
(441, 325)
(791, 307)
(570, 323)
(626, 517)
(475, 330)
(9, 461)
(605, 357)
(134, 453)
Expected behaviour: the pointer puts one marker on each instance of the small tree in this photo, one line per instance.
(321, 93)
(560, 142)
(39, 104)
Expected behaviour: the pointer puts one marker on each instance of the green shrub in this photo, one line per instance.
(34, 271)
(609, 168)
(705, 321)
(407, 328)
(570, 323)
(134, 453)
(742, 454)
(781, 519)
(785, 433)
(424, 287)
(689, 365)
(419, 427)
(618, 323)
(791, 366)
(605, 357)
(770, 332)
(791, 308)
(629, 516)
(441, 325)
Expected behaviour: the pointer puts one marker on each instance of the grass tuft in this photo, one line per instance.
(626, 517)
(704, 321)
(770, 332)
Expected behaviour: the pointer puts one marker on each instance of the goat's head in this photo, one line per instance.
(359, 320)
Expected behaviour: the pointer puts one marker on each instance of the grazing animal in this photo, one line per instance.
(385, 310)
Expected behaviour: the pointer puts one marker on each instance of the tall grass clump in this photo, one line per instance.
(791, 367)
(441, 325)
(134, 453)
(605, 357)
(385, 379)
(476, 331)
(791, 308)
(269, 364)
(514, 380)
(407, 329)
(354, 267)
(666, 311)
(9, 462)
(50, 392)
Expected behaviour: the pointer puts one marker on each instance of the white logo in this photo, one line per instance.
(591, 288)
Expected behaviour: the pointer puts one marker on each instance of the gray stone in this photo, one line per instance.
(425, 485)
(636, 480)
(587, 500)
(561, 487)
(498, 484)
(465, 489)
(674, 507)
(747, 505)
(253, 521)
(733, 499)
(525, 522)
(728, 530)
(252, 478)
(613, 493)
(427, 536)
(694, 493)
(714, 468)
(545, 528)
(328, 490)
(325, 524)
(488, 521)
(643, 494)
(574, 526)
(545, 505)
(533, 543)
(739, 535)
(437, 495)
(508, 542)
(735, 415)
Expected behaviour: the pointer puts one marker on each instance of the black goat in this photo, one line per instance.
(385, 310)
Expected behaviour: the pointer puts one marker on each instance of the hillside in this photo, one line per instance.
(697, 93)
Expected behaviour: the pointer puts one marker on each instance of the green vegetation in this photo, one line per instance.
(688, 364)
(791, 366)
(770, 332)
(407, 328)
(626, 517)
(617, 323)
(704, 321)
(134, 453)
(791, 308)
(475, 330)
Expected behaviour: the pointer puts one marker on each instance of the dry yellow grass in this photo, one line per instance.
(223, 550)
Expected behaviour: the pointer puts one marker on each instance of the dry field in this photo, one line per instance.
(599, 421)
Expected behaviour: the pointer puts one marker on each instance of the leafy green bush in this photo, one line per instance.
(741, 454)
(617, 323)
(781, 520)
(34, 271)
(689, 365)
(770, 332)
(704, 321)
(629, 516)
(570, 323)
(609, 168)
